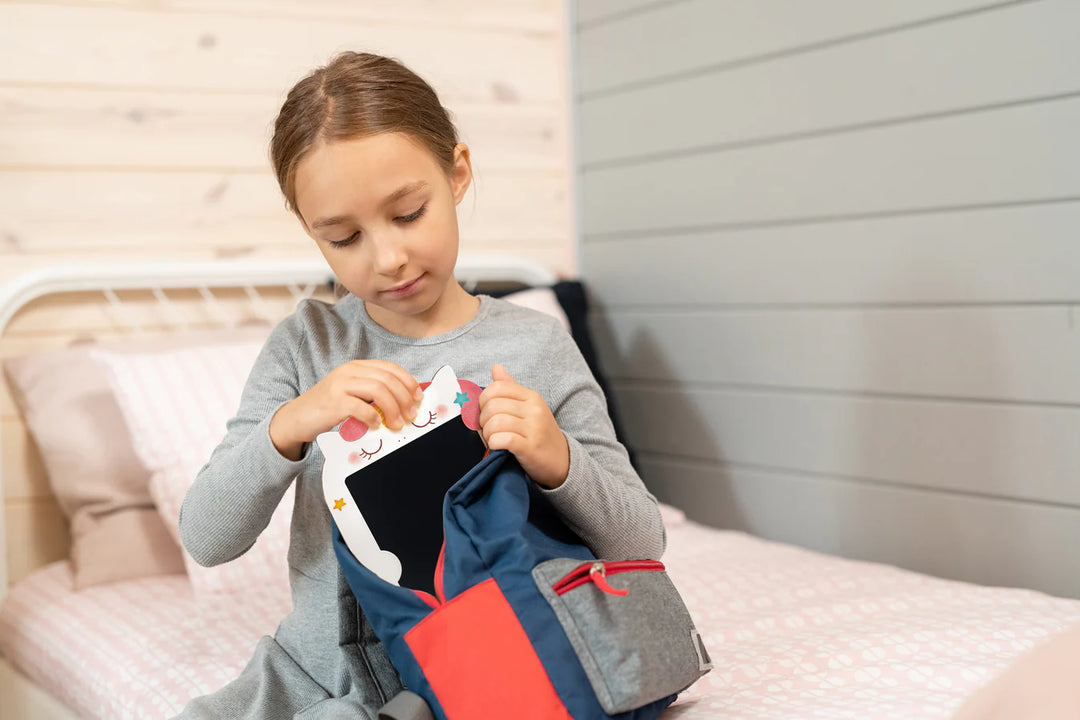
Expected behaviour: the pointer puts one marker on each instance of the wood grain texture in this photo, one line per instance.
(148, 48)
(60, 211)
(65, 128)
(520, 15)
(138, 129)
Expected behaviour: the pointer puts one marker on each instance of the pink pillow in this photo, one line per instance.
(99, 482)
(542, 299)
(176, 404)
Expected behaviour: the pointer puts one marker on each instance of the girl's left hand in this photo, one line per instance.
(515, 418)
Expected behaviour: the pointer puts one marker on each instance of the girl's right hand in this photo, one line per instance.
(349, 390)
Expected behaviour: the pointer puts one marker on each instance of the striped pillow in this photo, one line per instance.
(176, 404)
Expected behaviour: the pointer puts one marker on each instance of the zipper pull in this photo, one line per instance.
(598, 574)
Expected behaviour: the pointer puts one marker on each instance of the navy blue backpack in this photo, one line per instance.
(525, 622)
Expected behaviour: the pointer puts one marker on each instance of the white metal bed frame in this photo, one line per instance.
(300, 276)
(19, 696)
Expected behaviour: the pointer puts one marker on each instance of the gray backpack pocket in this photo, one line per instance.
(628, 626)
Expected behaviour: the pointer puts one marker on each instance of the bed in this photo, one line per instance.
(792, 633)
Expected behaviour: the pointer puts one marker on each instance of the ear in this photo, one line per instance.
(444, 385)
(331, 443)
(461, 173)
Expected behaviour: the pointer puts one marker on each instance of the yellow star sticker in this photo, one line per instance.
(339, 503)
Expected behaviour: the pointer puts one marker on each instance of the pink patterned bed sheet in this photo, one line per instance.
(133, 649)
(792, 633)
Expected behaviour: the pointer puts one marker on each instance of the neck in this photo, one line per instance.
(454, 308)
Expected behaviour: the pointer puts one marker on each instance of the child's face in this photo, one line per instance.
(383, 213)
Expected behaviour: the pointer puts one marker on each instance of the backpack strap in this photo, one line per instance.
(406, 706)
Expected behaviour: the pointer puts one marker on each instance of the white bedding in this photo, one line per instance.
(792, 633)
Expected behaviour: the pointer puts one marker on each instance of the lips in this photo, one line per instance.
(405, 288)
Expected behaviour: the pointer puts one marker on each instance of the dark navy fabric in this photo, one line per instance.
(496, 526)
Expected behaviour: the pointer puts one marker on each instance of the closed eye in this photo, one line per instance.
(404, 219)
(365, 454)
(413, 217)
(343, 243)
(431, 419)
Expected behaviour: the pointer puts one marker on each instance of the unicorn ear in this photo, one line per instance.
(331, 443)
(444, 383)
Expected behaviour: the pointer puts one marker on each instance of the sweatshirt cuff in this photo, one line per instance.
(276, 462)
(573, 493)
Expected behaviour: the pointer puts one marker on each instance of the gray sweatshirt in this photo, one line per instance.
(324, 661)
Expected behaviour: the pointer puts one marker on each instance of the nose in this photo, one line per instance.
(389, 255)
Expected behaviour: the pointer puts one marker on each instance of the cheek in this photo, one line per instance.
(352, 271)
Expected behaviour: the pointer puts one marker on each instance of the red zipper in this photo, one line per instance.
(598, 571)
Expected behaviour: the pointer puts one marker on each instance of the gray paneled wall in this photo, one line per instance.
(834, 251)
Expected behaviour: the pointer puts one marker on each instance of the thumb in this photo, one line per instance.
(498, 372)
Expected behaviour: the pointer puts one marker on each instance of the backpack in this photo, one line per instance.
(525, 622)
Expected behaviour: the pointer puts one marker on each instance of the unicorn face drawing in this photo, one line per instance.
(396, 478)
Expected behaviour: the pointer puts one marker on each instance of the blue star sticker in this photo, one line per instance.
(461, 399)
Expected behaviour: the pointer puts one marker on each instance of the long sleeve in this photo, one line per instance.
(603, 499)
(235, 493)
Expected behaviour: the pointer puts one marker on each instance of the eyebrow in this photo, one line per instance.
(392, 197)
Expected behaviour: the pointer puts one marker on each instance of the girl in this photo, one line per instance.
(369, 163)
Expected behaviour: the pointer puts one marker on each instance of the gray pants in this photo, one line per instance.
(274, 687)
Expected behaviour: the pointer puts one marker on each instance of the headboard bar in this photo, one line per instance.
(300, 276)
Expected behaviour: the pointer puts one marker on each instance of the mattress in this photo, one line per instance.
(792, 634)
(134, 649)
(799, 634)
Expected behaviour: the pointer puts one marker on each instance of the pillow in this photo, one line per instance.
(542, 300)
(99, 482)
(175, 405)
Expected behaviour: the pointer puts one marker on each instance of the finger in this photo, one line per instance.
(502, 406)
(404, 403)
(504, 389)
(407, 380)
(363, 412)
(498, 372)
(502, 423)
(396, 376)
(505, 441)
(375, 391)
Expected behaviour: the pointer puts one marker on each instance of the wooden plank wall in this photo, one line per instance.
(139, 129)
(833, 247)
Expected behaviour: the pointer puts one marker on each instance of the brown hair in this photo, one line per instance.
(355, 95)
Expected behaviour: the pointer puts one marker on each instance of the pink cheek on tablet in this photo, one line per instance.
(354, 458)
